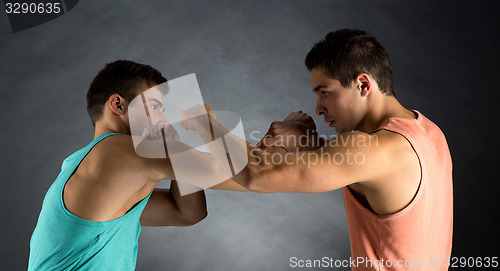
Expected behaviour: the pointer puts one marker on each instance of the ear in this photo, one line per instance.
(364, 84)
(117, 104)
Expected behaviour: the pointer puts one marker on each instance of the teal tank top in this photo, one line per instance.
(64, 241)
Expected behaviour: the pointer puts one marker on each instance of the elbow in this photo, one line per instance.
(259, 172)
(255, 184)
(252, 185)
(258, 179)
(195, 217)
(202, 215)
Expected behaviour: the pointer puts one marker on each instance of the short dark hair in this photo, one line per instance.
(346, 53)
(123, 77)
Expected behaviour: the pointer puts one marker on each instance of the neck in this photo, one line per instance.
(103, 126)
(379, 111)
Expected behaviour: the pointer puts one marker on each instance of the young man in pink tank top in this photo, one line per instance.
(392, 164)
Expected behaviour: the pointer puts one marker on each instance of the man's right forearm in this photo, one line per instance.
(192, 207)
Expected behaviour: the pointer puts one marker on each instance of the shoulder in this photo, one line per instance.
(396, 155)
(118, 142)
(379, 141)
(118, 148)
(381, 154)
(116, 155)
(392, 142)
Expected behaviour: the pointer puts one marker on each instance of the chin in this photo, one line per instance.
(338, 130)
(342, 131)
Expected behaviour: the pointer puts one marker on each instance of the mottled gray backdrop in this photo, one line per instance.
(248, 57)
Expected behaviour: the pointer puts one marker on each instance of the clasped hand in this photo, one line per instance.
(297, 132)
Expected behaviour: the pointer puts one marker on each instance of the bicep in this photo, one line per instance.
(161, 210)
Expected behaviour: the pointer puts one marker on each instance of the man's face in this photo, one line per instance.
(153, 99)
(341, 107)
(151, 102)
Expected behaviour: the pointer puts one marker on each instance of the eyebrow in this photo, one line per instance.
(316, 89)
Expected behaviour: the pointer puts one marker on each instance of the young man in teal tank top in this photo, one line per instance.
(92, 214)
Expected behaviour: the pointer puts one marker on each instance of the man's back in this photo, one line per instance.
(63, 240)
(108, 182)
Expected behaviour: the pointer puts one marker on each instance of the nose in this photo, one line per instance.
(320, 109)
(158, 120)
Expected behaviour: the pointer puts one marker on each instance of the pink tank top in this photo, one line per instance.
(418, 237)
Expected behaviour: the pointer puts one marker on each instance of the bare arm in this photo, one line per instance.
(327, 168)
(353, 157)
(166, 207)
(296, 132)
(229, 184)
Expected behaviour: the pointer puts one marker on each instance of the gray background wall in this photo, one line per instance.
(248, 57)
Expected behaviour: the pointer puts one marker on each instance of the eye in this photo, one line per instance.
(155, 108)
(324, 93)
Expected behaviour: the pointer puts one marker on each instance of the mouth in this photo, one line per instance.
(158, 132)
(171, 132)
(331, 123)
